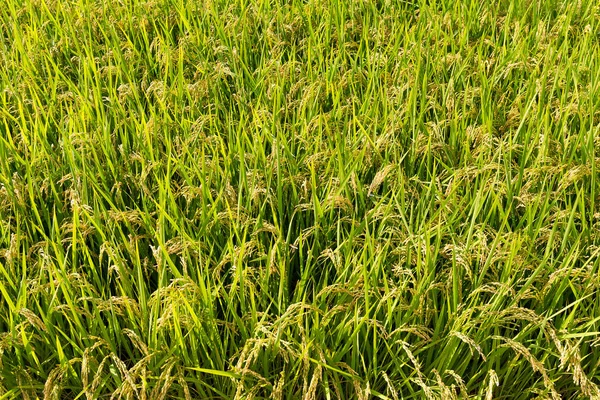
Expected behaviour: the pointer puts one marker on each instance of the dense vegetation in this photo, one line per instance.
(319, 199)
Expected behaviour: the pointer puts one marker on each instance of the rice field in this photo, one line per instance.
(303, 199)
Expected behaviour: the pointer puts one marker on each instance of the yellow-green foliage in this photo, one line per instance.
(320, 199)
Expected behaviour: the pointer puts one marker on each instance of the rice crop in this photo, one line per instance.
(302, 199)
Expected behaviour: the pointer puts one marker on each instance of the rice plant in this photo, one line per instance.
(317, 199)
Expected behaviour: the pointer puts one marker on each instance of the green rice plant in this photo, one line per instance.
(312, 199)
